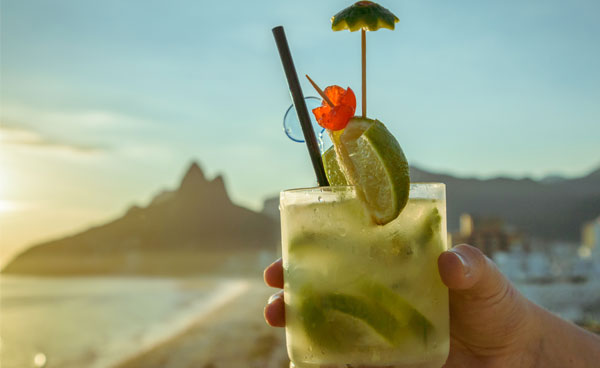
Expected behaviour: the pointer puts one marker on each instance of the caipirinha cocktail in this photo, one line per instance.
(361, 283)
(362, 294)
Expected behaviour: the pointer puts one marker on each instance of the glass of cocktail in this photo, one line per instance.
(358, 294)
(361, 283)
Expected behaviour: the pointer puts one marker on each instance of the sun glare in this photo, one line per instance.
(7, 206)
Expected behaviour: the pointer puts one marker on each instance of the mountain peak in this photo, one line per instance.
(193, 177)
(218, 180)
(218, 186)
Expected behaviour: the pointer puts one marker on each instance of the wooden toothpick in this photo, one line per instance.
(320, 92)
(363, 47)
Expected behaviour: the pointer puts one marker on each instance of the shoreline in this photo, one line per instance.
(226, 292)
(233, 334)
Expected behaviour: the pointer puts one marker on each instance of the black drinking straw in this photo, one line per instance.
(300, 105)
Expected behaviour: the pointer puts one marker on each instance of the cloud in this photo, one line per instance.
(72, 119)
(12, 134)
(66, 131)
(81, 133)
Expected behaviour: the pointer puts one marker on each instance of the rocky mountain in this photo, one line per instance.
(188, 230)
(546, 209)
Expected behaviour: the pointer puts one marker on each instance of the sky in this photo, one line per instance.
(106, 103)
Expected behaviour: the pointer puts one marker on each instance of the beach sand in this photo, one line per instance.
(234, 335)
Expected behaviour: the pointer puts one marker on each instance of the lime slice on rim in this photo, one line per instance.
(372, 160)
(335, 176)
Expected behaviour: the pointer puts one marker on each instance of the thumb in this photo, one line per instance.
(486, 311)
(467, 271)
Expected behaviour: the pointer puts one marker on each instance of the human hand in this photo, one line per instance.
(491, 323)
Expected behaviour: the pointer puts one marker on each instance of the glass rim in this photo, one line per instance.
(347, 188)
(430, 191)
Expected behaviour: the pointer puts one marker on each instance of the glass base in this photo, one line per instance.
(430, 364)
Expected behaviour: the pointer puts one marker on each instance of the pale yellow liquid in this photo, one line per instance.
(334, 257)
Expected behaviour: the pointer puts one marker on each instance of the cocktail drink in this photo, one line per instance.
(361, 282)
(359, 294)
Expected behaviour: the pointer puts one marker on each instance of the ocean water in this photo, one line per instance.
(98, 321)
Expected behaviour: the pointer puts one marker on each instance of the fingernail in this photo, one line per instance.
(274, 297)
(464, 261)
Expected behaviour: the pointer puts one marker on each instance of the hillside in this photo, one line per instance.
(185, 231)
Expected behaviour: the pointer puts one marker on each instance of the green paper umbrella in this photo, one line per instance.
(366, 16)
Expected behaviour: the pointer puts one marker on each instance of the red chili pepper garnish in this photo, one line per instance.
(336, 117)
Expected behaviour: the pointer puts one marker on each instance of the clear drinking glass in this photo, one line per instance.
(359, 294)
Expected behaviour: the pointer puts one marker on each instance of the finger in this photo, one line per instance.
(273, 274)
(466, 270)
(275, 310)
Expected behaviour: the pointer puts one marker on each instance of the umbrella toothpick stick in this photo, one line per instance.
(364, 71)
(366, 16)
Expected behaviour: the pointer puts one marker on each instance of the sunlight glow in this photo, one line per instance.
(8, 206)
(3, 177)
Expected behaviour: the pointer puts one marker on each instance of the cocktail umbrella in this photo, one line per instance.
(366, 16)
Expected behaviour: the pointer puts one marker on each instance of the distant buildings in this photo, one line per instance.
(590, 233)
(489, 234)
(590, 241)
(466, 225)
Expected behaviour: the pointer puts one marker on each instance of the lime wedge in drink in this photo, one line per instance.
(310, 242)
(409, 319)
(428, 228)
(337, 321)
(372, 160)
